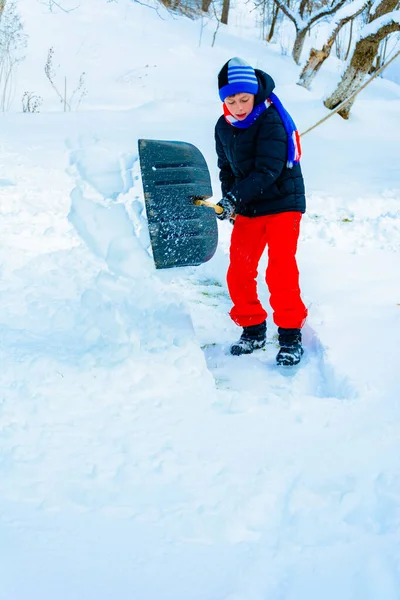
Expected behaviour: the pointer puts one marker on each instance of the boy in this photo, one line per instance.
(258, 150)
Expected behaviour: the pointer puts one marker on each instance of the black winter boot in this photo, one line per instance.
(252, 338)
(291, 350)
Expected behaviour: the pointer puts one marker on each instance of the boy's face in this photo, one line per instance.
(240, 105)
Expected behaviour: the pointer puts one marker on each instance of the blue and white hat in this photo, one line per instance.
(237, 77)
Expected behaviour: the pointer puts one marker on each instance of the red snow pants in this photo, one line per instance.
(250, 236)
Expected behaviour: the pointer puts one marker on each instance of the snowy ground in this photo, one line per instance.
(138, 460)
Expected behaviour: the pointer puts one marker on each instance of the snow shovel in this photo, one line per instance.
(217, 209)
(174, 176)
(200, 202)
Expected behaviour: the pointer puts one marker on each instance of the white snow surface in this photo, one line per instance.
(387, 19)
(138, 459)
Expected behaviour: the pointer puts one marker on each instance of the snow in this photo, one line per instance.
(377, 24)
(350, 9)
(294, 16)
(138, 459)
(325, 28)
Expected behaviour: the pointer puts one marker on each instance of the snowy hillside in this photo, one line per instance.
(138, 459)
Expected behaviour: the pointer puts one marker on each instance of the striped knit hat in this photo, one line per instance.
(236, 77)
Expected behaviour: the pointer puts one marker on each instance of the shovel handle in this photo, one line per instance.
(218, 209)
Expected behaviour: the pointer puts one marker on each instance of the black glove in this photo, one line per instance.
(228, 203)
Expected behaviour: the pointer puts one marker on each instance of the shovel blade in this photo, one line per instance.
(173, 174)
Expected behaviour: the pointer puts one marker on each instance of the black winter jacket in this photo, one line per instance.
(252, 162)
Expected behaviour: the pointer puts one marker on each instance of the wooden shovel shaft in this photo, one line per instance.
(218, 209)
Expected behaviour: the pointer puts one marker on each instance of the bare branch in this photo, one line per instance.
(302, 8)
(345, 20)
(289, 13)
(52, 3)
(152, 7)
(326, 12)
(218, 23)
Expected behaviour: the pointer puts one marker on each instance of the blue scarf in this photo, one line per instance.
(294, 147)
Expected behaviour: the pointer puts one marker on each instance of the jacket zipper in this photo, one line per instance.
(233, 151)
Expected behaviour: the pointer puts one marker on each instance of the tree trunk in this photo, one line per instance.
(313, 65)
(385, 7)
(273, 24)
(225, 12)
(303, 28)
(350, 41)
(318, 57)
(2, 5)
(298, 44)
(205, 5)
(352, 80)
(361, 62)
(385, 44)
